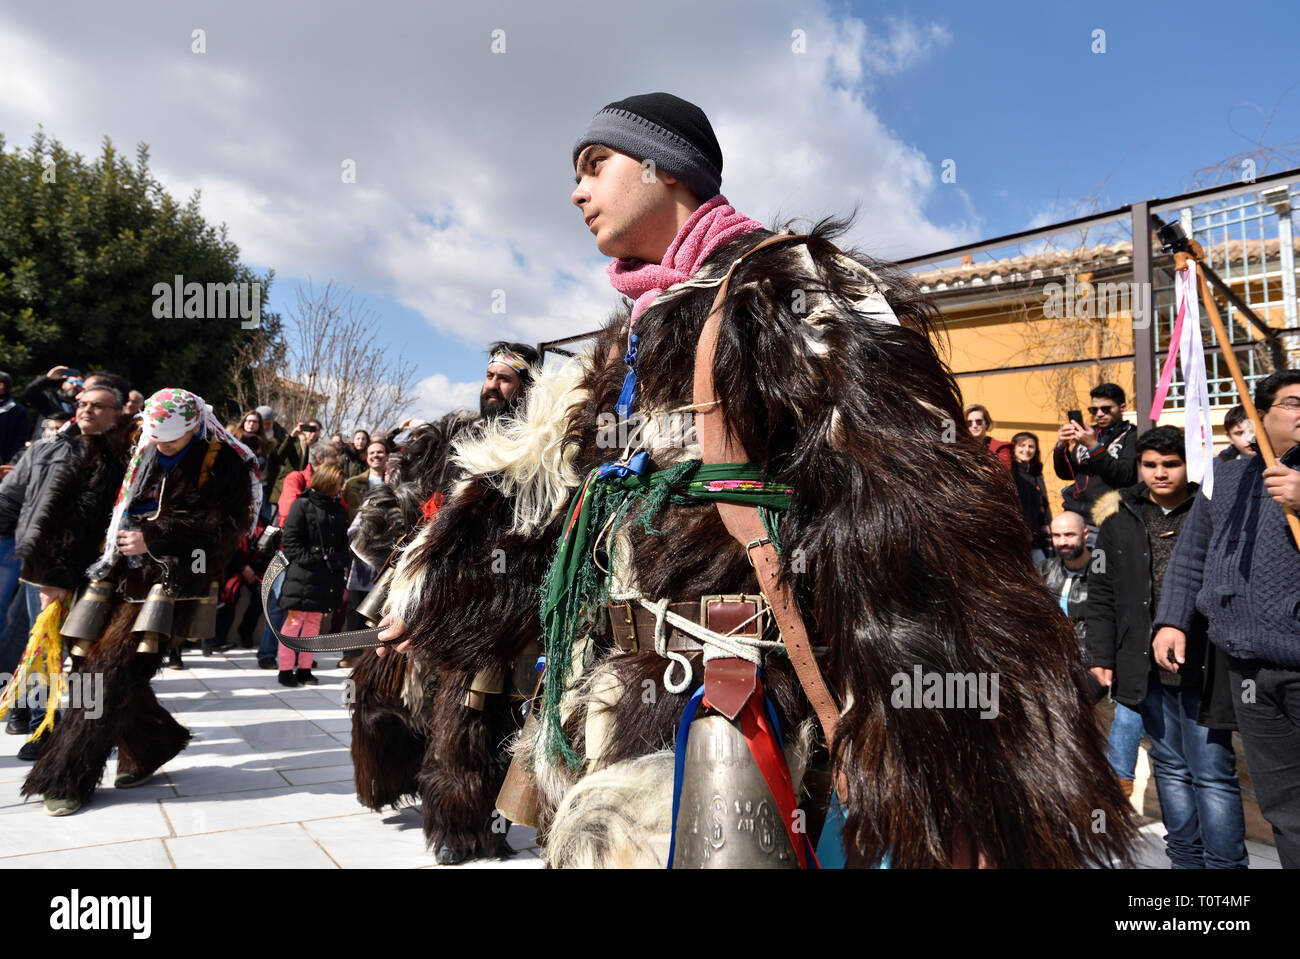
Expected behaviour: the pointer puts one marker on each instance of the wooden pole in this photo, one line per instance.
(1265, 447)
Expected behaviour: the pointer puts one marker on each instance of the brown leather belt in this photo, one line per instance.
(633, 626)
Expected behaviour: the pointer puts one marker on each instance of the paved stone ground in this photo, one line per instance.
(266, 782)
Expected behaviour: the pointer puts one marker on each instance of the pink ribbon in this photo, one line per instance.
(1167, 373)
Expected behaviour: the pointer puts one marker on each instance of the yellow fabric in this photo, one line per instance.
(45, 644)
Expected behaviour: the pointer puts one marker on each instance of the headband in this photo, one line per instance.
(510, 359)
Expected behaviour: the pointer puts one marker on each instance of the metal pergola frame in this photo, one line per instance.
(1143, 220)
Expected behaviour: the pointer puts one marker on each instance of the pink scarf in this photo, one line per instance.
(715, 224)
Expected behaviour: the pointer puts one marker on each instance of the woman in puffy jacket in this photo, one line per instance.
(315, 540)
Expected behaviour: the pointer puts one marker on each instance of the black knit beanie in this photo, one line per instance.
(672, 132)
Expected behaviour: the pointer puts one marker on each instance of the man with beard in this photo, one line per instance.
(788, 514)
(394, 750)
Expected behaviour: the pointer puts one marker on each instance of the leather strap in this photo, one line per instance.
(334, 642)
(718, 445)
(633, 626)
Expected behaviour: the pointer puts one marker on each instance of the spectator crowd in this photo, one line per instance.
(1186, 608)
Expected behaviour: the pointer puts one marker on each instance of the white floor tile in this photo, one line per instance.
(114, 815)
(268, 847)
(192, 815)
(388, 840)
(141, 854)
(320, 774)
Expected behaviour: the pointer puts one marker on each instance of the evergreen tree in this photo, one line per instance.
(82, 247)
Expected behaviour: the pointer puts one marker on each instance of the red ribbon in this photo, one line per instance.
(429, 508)
(761, 740)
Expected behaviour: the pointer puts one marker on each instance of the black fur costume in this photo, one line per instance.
(914, 553)
(209, 518)
(411, 737)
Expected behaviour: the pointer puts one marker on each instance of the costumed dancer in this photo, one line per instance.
(188, 494)
(820, 485)
(417, 731)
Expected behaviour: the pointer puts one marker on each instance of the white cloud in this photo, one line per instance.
(436, 395)
(462, 156)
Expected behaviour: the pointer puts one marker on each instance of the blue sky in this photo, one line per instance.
(462, 151)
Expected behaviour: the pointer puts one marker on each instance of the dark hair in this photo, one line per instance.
(1236, 416)
(1266, 392)
(1035, 464)
(7, 380)
(524, 351)
(365, 433)
(120, 384)
(1109, 391)
(1166, 440)
(988, 418)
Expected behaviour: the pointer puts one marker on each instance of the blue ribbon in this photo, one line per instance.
(638, 464)
(679, 763)
(628, 394)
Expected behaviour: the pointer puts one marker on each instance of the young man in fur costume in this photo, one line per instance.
(838, 417)
(189, 491)
(415, 733)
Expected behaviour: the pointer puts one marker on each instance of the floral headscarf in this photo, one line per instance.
(167, 416)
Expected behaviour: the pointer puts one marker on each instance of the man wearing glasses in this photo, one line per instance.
(1104, 455)
(56, 504)
(1236, 564)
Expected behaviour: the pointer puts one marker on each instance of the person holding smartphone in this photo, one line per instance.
(292, 453)
(1097, 458)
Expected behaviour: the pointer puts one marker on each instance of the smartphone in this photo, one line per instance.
(72, 374)
(1075, 415)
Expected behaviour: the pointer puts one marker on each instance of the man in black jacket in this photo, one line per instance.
(1065, 574)
(1103, 457)
(56, 504)
(1186, 715)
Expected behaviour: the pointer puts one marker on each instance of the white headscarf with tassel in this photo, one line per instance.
(167, 416)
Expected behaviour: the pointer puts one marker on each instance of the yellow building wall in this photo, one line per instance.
(1015, 332)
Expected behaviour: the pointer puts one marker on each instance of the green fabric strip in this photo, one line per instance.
(575, 590)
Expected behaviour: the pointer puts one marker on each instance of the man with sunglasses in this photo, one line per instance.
(1104, 455)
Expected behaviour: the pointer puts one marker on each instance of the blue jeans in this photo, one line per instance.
(16, 629)
(275, 616)
(1125, 734)
(1196, 778)
(10, 568)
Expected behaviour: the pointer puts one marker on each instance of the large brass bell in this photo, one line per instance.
(89, 616)
(196, 619)
(371, 609)
(517, 799)
(155, 618)
(727, 818)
